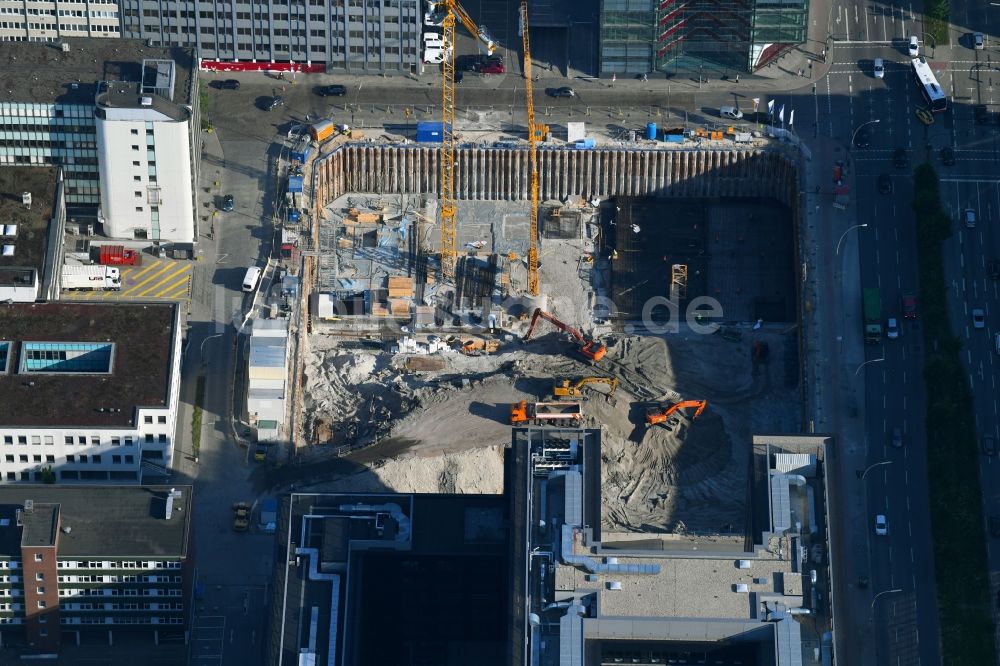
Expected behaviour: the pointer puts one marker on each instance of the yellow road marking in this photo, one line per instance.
(140, 271)
(164, 286)
(131, 290)
(181, 293)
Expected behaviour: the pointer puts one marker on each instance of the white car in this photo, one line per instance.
(434, 55)
(978, 318)
(879, 69)
(914, 46)
(881, 527)
(892, 329)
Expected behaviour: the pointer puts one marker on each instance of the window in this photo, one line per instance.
(38, 557)
(8, 439)
(149, 438)
(9, 458)
(128, 440)
(147, 419)
(137, 179)
(135, 132)
(163, 439)
(81, 440)
(50, 459)
(23, 458)
(36, 439)
(21, 439)
(138, 209)
(116, 460)
(48, 440)
(135, 162)
(71, 459)
(138, 194)
(95, 459)
(83, 459)
(36, 459)
(95, 440)
(116, 441)
(39, 576)
(41, 603)
(68, 439)
(40, 590)
(161, 419)
(135, 147)
(129, 460)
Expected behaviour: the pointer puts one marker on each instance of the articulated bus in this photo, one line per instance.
(929, 85)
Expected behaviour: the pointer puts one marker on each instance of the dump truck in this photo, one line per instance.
(546, 413)
(241, 516)
(872, 311)
(91, 278)
(118, 255)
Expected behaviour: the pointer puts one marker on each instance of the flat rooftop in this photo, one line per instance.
(120, 521)
(42, 72)
(141, 335)
(31, 240)
(130, 96)
(687, 587)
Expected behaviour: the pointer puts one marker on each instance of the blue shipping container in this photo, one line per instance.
(430, 131)
(295, 183)
(586, 143)
(300, 153)
(651, 131)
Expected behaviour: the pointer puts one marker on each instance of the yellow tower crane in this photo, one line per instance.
(534, 134)
(453, 10)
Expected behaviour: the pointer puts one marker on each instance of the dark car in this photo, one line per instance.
(947, 156)
(862, 139)
(885, 184)
(565, 91)
(993, 269)
(909, 306)
(335, 90)
(981, 113)
(897, 438)
(228, 84)
(900, 159)
(995, 528)
(989, 446)
(228, 203)
(273, 103)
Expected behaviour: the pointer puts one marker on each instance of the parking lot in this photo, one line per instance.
(208, 640)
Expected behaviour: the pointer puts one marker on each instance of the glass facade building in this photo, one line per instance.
(705, 37)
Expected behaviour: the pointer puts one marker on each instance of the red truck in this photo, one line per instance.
(117, 255)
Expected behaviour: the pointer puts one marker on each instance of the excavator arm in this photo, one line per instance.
(657, 416)
(592, 350)
(575, 389)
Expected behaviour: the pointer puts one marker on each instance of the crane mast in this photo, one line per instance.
(447, 197)
(533, 137)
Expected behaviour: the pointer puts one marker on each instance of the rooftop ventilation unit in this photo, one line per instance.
(741, 587)
(743, 564)
(146, 101)
(614, 585)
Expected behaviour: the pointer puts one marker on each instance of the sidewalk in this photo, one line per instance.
(836, 396)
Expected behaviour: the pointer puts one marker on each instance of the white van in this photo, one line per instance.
(252, 278)
(730, 112)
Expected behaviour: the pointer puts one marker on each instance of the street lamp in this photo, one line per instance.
(844, 235)
(874, 360)
(870, 122)
(862, 475)
(872, 611)
(203, 345)
(928, 37)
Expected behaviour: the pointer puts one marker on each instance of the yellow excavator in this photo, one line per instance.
(567, 389)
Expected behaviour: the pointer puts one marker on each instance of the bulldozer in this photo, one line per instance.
(658, 415)
(566, 389)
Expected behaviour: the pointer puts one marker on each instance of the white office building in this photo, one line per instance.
(89, 391)
(144, 158)
(46, 21)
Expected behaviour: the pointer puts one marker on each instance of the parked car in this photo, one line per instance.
(273, 103)
(879, 69)
(565, 91)
(892, 329)
(900, 159)
(862, 139)
(228, 84)
(913, 47)
(881, 526)
(228, 203)
(730, 112)
(492, 68)
(978, 41)
(978, 318)
(970, 218)
(947, 156)
(989, 445)
(335, 90)
(885, 184)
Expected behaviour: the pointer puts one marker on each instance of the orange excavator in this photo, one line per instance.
(592, 350)
(659, 415)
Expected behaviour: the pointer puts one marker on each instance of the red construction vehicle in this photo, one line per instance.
(546, 413)
(659, 415)
(117, 255)
(592, 350)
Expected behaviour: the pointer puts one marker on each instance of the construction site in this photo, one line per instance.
(454, 290)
